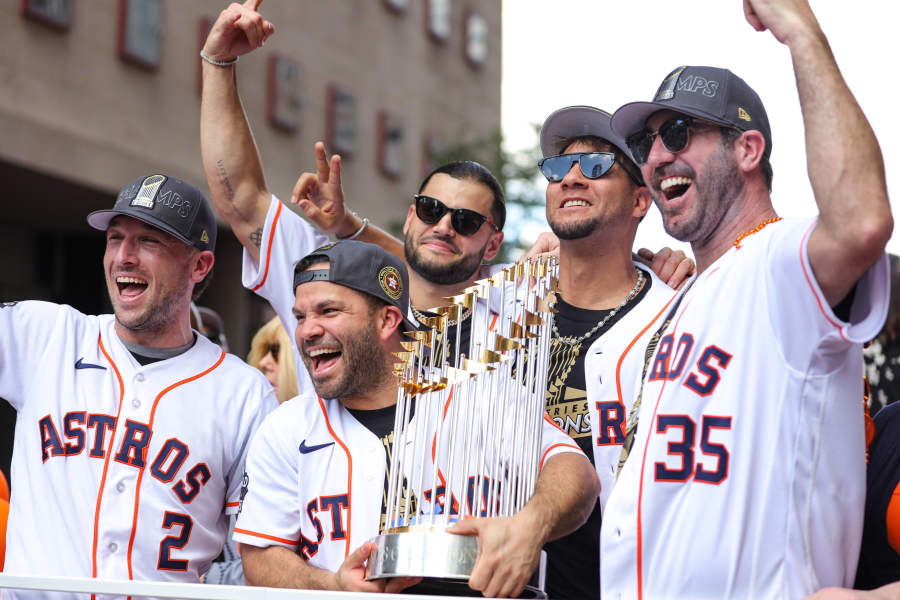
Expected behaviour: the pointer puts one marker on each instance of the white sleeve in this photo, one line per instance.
(286, 238)
(555, 441)
(260, 401)
(26, 330)
(270, 512)
(799, 311)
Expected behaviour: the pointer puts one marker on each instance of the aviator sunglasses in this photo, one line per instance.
(464, 221)
(674, 134)
(593, 165)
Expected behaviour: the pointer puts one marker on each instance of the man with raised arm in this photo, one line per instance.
(746, 473)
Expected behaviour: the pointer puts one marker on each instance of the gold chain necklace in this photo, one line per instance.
(451, 322)
(737, 242)
(571, 341)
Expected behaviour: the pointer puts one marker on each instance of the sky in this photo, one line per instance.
(606, 53)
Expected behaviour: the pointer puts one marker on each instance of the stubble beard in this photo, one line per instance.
(159, 315)
(365, 366)
(448, 273)
(715, 191)
(574, 230)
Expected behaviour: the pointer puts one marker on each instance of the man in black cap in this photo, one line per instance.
(132, 428)
(746, 472)
(308, 515)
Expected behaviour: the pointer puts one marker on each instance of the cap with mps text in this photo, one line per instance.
(169, 204)
(578, 121)
(708, 93)
(366, 268)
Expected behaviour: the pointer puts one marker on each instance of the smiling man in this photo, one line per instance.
(132, 428)
(319, 461)
(746, 477)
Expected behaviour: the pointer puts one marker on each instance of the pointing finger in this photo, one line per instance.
(253, 4)
(335, 169)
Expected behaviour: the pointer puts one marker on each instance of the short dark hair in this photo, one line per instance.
(471, 170)
(729, 135)
(602, 145)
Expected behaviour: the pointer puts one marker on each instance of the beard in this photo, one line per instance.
(159, 315)
(574, 231)
(365, 366)
(445, 273)
(719, 184)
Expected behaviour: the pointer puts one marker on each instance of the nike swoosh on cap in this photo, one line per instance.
(304, 449)
(80, 364)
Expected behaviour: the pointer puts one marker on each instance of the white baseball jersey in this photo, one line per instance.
(747, 476)
(612, 370)
(316, 480)
(120, 471)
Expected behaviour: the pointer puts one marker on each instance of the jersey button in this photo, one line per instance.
(136, 403)
(139, 377)
(113, 547)
(120, 487)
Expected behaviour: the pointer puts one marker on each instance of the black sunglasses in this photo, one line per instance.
(273, 349)
(464, 221)
(675, 135)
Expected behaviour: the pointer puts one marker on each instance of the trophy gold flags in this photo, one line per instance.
(467, 430)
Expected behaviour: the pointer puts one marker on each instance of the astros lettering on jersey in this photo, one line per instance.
(747, 475)
(120, 471)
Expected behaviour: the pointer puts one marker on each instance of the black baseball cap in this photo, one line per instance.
(366, 268)
(708, 93)
(169, 204)
(578, 121)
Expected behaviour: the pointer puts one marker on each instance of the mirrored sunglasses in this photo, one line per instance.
(593, 165)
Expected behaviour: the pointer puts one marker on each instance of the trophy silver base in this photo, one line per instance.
(444, 560)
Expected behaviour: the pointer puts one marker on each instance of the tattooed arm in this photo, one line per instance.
(230, 157)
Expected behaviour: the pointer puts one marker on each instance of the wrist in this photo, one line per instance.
(351, 227)
(217, 60)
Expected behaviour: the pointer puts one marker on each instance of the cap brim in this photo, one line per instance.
(578, 121)
(632, 117)
(100, 219)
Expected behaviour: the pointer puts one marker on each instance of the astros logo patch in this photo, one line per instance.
(390, 281)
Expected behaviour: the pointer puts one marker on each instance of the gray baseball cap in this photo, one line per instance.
(708, 93)
(169, 204)
(366, 268)
(577, 121)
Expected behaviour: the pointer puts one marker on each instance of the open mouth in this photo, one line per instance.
(322, 359)
(673, 187)
(130, 287)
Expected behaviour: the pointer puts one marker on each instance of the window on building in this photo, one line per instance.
(390, 149)
(140, 28)
(438, 21)
(285, 92)
(397, 6)
(341, 125)
(476, 42)
(53, 13)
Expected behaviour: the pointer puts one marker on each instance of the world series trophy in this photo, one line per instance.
(467, 431)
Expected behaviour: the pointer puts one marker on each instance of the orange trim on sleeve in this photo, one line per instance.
(265, 536)
(547, 451)
(232, 504)
(109, 451)
(137, 494)
(349, 474)
(812, 287)
(269, 249)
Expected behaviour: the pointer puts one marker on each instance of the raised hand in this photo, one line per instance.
(784, 18)
(319, 195)
(238, 30)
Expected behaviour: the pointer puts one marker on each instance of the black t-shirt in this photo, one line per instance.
(465, 335)
(573, 562)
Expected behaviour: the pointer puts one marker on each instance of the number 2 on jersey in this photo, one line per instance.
(683, 449)
(170, 520)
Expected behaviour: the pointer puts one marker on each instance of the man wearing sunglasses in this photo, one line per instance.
(746, 472)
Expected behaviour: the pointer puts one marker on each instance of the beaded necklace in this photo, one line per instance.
(737, 242)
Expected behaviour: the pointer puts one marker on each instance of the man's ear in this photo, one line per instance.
(410, 215)
(642, 202)
(493, 245)
(388, 321)
(748, 150)
(203, 264)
